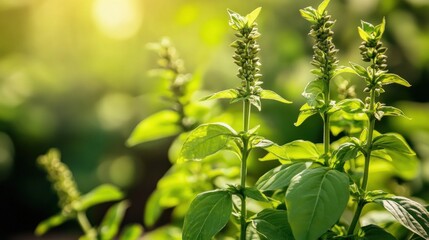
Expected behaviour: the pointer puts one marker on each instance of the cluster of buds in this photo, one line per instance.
(373, 51)
(61, 178)
(324, 49)
(170, 61)
(246, 53)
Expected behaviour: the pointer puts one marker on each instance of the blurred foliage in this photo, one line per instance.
(73, 75)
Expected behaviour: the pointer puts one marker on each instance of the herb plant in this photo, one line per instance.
(74, 205)
(210, 211)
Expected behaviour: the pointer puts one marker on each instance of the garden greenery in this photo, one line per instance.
(319, 190)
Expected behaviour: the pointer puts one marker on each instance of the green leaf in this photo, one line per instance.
(205, 140)
(208, 214)
(225, 94)
(343, 69)
(298, 150)
(346, 151)
(322, 7)
(349, 105)
(279, 177)
(101, 194)
(363, 34)
(305, 112)
(314, 92)
(112, 220)
(49, 223)
(392, 111)
(374, 232)
(359, 70)
(153, 209)
(132, 232)
(272, 224)
(367, 27)
(393, 142)
(271, 95)
(409, 213)
(159, 125)
(389, 78)
(255, 194)
(316, 199)
(309, 14)
(236, 21)
(379, 29)
(251, 17)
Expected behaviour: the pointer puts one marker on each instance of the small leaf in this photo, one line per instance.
(159, 125)
(236, 21)
(112, 220)
(49, 223)
(346, 151)
(208, 214)
(316, 199)
(132, 232)
(392, 111)
(298, 150)
(262, 143)
(349, 105)
(205, 140)
(309, 14)
(374, 232)
(225, 94)
(304, 114)
(101, 194)
(389, 78)
(279, 177)
(360, 71)
(409, 213)
(322, 7)
(251, 17)
(255, 194)
(343, 69)
(153, 209)
(367, 27)
(363, 34)
(393, 142)
(379, 29)
(271, 95)
(272, 224)
(314, 92)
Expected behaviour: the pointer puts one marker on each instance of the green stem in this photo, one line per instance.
(326, 125)
(368, 147)
(245, 154)
(85, 224)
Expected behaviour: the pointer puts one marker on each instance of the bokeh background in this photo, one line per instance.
(74, 75)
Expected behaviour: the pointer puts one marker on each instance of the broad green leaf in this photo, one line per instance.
(49, 223)
(279, 177)
(205, 140)
(251, 17)
(208, 214)
(316, 199)
(360, 71)
(101, 194)
(272, 224)
(367, 27)
(132, 232)
(255, 194)
(159, 125)
(309, 14)
(379, 29)
(225, 94)
(392, 111)
(393, 142)
(389, 78)
(374, 232)
(409, 213)
(322, 7)
(112, 220)
(405, 166)
(271, 95)
(363, 35)
(343, 69)
(298, 150)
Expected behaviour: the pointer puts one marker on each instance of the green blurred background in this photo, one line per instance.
(74, 75)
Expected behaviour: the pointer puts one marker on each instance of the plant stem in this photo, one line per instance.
(326, 125)
(368, 147)
(245, 154)
(85, 224)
